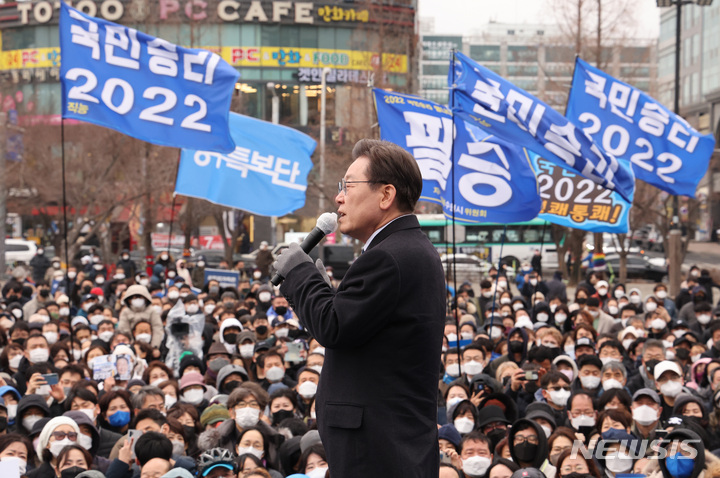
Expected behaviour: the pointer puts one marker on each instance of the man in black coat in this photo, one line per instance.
(382, 328)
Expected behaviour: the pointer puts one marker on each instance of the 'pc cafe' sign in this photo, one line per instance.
(212, 11)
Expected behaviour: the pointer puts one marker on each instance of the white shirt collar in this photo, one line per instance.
(370, 239)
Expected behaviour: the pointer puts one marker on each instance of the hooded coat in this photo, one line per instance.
(129, 317)
(704, 459)
(541, 457)
(227, 436)
(100, 462)
(505, 358)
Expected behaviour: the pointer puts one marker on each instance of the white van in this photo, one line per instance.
(19, 250)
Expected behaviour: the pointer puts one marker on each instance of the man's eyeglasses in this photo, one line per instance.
(342, 184)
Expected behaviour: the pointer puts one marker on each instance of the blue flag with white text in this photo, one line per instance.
(142, 86)
(424, 129)
(573, 201)
(663, 148)
(514, 115)
(266, 174)
(493, 179)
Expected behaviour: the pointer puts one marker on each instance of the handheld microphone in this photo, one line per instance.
(326, 224)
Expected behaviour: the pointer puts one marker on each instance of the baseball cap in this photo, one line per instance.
(665, 366)
(584, 342)
(646, 392)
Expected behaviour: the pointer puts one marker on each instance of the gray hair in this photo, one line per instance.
(653, 343)
(615, 366)
(138, 399)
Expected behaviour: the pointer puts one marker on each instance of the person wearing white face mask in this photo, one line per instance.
(646, 409)
(581, 413)
(670, 383)
(313, 461)
(473, 361)
(660, 292)
(555, 389)
(602, 322)
(245, 405)
(589, 367)
(464, 417)
(635, 297)
(55, 435)
(274, 368)
(613, 375)
(192, 305)
(475, 454)
(137, 309)
(37, 349)
(703, 315)
(192, 389)
(307, 385)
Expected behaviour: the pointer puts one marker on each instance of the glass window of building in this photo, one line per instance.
(483, 53)
(522, 53)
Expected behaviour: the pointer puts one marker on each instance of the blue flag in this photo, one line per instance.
(142, 86)
(494, 181)
(573, 201)
(514, 115)
(266, 174)
(663, 148)
(424, 129)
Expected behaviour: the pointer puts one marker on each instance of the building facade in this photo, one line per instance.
(699, 97)
(533, 57)
(280, 48)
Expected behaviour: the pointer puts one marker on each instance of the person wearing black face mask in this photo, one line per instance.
(260, 324)
(283, 404)
(230, 377)
(279, 308)
(529, 446)
(517, 349)
(41, 297)
(492, 423)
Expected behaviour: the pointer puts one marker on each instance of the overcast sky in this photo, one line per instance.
(463, 16)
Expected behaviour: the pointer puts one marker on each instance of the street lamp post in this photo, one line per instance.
(674, 237)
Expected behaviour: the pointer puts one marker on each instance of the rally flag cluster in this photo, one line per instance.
(153, 90)
(501, 155)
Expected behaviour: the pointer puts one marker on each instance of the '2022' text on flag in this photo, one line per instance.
(142, 86)
(514, 115)
(663, 148)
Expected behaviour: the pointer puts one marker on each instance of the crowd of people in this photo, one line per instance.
(124, 374)
(603, 383)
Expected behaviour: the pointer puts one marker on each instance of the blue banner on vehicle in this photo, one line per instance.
(625, 122)
(514, 115)
(142, 86)
(266, 174)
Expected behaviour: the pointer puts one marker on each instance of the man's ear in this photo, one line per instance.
(388, 197)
